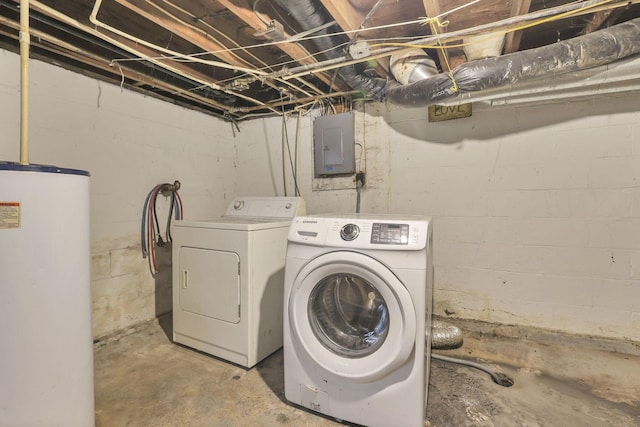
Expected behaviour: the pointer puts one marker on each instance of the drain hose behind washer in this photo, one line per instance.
(445, 336)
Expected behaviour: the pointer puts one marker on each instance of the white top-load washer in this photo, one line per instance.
(358, 300)
(228, 276)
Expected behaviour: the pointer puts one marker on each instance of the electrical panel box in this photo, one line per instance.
(334, 145)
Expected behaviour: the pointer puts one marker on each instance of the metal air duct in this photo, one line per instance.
(592, 50)
(580, 53)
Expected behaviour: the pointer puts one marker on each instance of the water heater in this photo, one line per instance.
(46, 362)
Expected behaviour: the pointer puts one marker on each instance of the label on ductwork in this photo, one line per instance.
(9, 215)
(438, 113)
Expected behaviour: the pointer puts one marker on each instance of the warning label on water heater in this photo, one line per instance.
(9, 215)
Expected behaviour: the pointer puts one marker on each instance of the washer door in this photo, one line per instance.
(352, 315)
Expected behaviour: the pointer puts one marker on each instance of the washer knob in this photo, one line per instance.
(288, 206)
(238, 205)
(349, 232)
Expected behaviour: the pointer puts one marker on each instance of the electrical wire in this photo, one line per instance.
(255, 11)
(257, 73)
(150, 233)
(334, 34)
(506, 31)
(295, 152)
(285, 136)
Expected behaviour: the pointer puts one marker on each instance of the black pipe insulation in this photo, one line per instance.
(309, 15)
(595, 49)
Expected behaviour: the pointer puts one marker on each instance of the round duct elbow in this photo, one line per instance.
(445, 336)
(411, 66)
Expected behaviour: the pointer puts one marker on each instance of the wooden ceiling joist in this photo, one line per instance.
(350, 19)
(198, 37)
(122, 73)
(512, 39)
(243, 11)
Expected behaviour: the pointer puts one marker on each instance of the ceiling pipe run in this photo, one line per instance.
(309, 15)
(585, 52)
(619, 77)
(592, 50)
(574, 9)
(24, 82)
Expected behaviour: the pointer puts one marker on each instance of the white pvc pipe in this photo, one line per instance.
(24, 82)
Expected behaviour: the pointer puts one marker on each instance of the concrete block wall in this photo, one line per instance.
(534, 211)
(260, 163)
(129, 143)
(536, 208)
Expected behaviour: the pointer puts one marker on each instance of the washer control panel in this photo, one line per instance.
(390, 234)
(383, 232)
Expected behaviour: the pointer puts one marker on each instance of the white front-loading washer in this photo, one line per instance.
(357, 303)
(228, 278)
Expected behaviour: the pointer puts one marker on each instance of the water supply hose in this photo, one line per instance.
(150, 234)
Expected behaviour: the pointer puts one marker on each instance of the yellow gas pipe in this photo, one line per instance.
(24, 82)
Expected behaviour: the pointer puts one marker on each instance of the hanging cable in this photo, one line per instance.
(285, 141)
(295, 153)
(150, 232)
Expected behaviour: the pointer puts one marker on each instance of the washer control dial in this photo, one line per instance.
(349, 232)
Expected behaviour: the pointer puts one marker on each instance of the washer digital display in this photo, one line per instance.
(390, 234)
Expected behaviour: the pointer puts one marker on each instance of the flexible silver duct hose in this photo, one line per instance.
(445, 336)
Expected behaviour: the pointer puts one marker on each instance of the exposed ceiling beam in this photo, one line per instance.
(133, 48)
(303, 100)
(505, 25)
(512, 39)
(433, 8)
(61, 48)
(197, 37)
(602, 19)
(349, 19)
(191, 33)
(242, 10)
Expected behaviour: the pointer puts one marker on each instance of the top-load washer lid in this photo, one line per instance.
(268, 208)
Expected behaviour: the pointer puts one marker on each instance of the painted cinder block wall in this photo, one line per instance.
(129, 143)
(536, 208)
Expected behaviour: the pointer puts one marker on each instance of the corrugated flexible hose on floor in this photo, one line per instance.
(445, 336)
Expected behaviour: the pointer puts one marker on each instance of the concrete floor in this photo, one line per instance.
(142, 379)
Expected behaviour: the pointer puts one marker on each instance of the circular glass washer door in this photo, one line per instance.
(352, 315)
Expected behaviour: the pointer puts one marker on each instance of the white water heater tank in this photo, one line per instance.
(46, 356)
